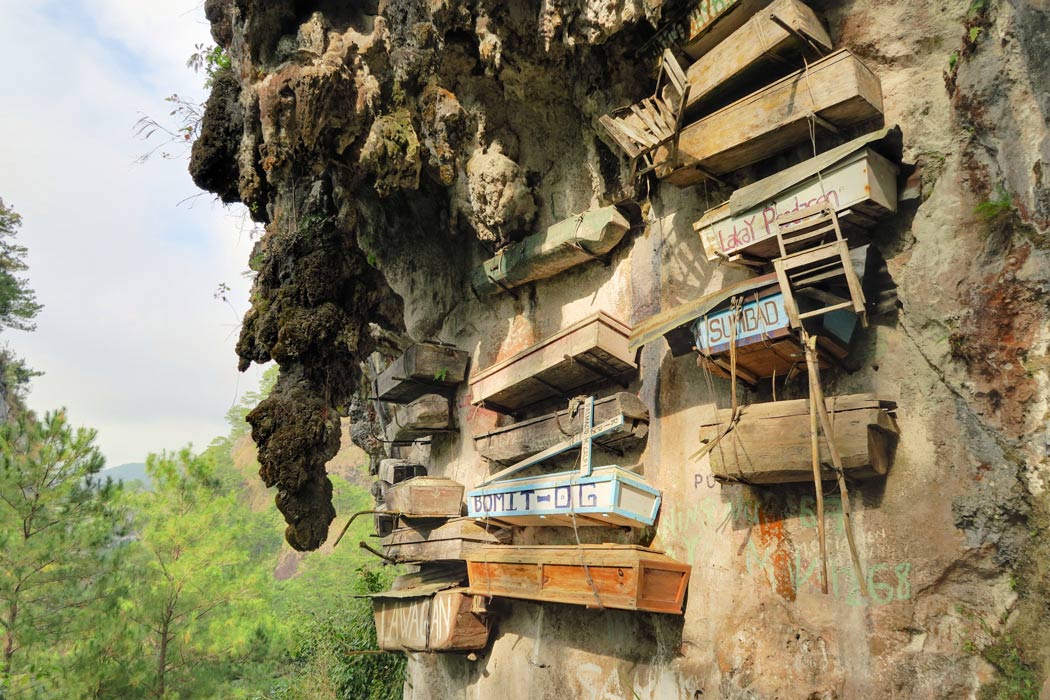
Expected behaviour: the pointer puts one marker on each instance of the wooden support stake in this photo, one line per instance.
(836, 458)
(811, 358)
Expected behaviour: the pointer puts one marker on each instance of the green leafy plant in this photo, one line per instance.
(441, 375)
(210, 59)
(997, 206)
(1016, 680)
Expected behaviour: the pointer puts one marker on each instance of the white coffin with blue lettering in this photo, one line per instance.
(609, 496)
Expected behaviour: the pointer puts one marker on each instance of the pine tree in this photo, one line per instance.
(18, 305)
(59, 542)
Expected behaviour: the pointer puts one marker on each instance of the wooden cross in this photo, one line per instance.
(584, 441)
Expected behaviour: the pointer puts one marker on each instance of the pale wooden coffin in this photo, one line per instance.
(449, 541)
(515, 442)
(770, 444)
(422, 418)
(425, 368)
(624, 577)
(607, 496)
(586, 352)
(839, 89)
(753, 49)
(568, 243)
(422, 620)
(864, 184)
(426, 497)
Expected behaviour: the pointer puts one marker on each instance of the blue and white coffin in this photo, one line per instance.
(608, 496)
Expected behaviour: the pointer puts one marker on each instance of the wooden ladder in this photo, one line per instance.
(653, 125)
(814, 256)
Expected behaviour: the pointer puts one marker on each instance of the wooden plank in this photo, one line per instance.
(838, 88)
(426, 497)
(590, 350)
(644, 112)
(424, 368)
(573, 241)
(750, 51)
(770, 444)
(442, 622)
(610, 576)
(609, 496)
(620, 135)
(515, 442)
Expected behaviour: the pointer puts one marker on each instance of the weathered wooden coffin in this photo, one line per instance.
(420, 619)
(566, 244)
(608, 496)
(384, 522)
(515, 442)
(425, 368)
(753, 48)
(857, 180)
(584, 353)
(625, 577)
(426, 497)
(770, 444)
(704, 24)
(422, 418)
(711, 22)
(839, 89)
(447, 541)
(394, 471)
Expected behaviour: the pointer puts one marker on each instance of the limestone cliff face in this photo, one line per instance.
(391, 145)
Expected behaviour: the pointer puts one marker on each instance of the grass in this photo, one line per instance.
(997, 206)
(1017, 679)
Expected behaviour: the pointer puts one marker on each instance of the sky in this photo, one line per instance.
(131, 339)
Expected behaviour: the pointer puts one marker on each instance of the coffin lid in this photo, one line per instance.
(426, 582)
(889, 142)
(599, 317)
(672, 319)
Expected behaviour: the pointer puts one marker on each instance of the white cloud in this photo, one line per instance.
(131, 340)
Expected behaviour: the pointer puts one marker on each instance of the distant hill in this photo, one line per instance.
(129, 473)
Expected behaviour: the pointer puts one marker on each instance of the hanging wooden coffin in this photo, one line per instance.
(420, 419)
(394, 471)
(586, 352)
(624, 577)
(770, 443)
(713, 21)
(448, 541)
(839, 89)
(515, 442)
(566, 244)
(425, 368)
(384, 522)
(608, 496)
(863, 183)
(787, 28)
(765, 344)
(423, 620)
(426, 497)
(703, 25)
